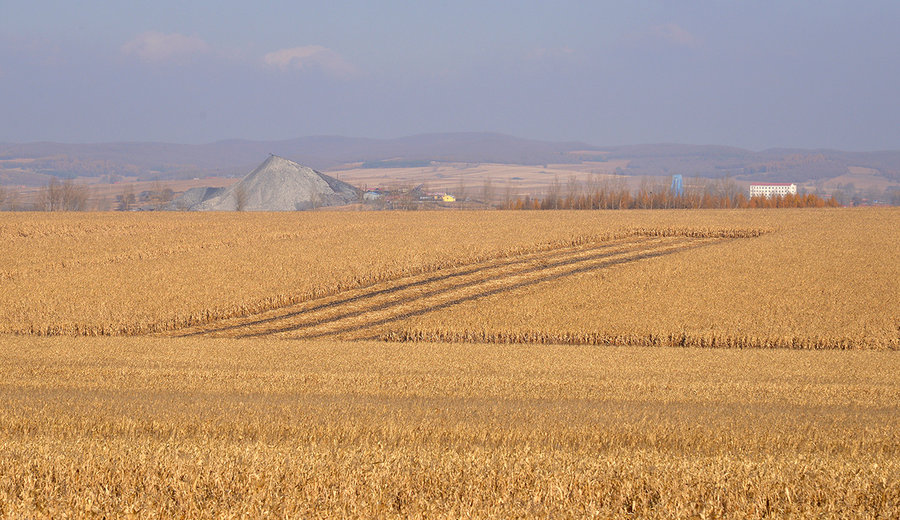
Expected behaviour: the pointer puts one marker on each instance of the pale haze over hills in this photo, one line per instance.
(805, 74)
(799, 91)
(450, 160)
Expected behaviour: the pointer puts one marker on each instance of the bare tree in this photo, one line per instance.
(727, 189)
(693, 192)
(508, 195)
(573, 187)
(592, 190)
(160, 195)
(487, 191)
(645, 194)
(62, 196)
(551, 201)
(126, 200)
(75, 196)
(461, 192)
(49, 196)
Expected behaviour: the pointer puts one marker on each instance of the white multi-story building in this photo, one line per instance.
(772, 189)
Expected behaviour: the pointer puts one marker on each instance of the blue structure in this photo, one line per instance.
(677, 188)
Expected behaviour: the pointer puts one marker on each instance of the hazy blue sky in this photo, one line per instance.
(754, 74)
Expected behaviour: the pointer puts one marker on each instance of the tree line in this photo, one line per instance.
(723, 194)
(624, 199)
(68, 195)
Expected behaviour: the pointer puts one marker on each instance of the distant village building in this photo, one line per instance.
(439, 197)
(769, 190)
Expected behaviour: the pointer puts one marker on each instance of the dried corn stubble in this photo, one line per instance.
(200, 427)
(822, 280)
(795, 279)
(140, 273)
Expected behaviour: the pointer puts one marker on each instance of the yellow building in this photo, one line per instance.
(448, 198)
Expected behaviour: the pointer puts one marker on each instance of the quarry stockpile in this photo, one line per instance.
(195, 196)
(278, 184)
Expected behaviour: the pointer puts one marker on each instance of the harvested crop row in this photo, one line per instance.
(711, 340)
(833, 284)
(188, 272)
(818, 278)
(398, 289)
(351, 315)
(200, 427)
(139, 273)
(356, 325)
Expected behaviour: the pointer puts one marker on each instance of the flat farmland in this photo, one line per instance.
(655, 364)
(140, 272)
(813, 284)
(468, 179)
(785, 278)
(200, 427)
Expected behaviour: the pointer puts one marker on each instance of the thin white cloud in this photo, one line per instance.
(674, 34)
(310, 57)
(156, 47)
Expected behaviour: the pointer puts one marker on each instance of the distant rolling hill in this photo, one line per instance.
(33, 163)
(237, 157)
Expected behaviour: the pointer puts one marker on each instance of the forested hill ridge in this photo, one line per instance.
(33, 163)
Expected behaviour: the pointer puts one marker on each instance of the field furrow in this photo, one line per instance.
(401, 287)
(357, 314)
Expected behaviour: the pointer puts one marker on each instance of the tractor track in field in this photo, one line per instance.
(358, 313)
(389, 287)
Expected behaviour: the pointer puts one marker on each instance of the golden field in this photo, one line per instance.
(821, 280)
(753, 278)
(138, 272)
(161, 427)
(236, 365)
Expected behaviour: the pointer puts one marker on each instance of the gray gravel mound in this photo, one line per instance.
(195, 196)
(279, 184)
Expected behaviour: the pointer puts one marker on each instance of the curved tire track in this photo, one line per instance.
(353, 314)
